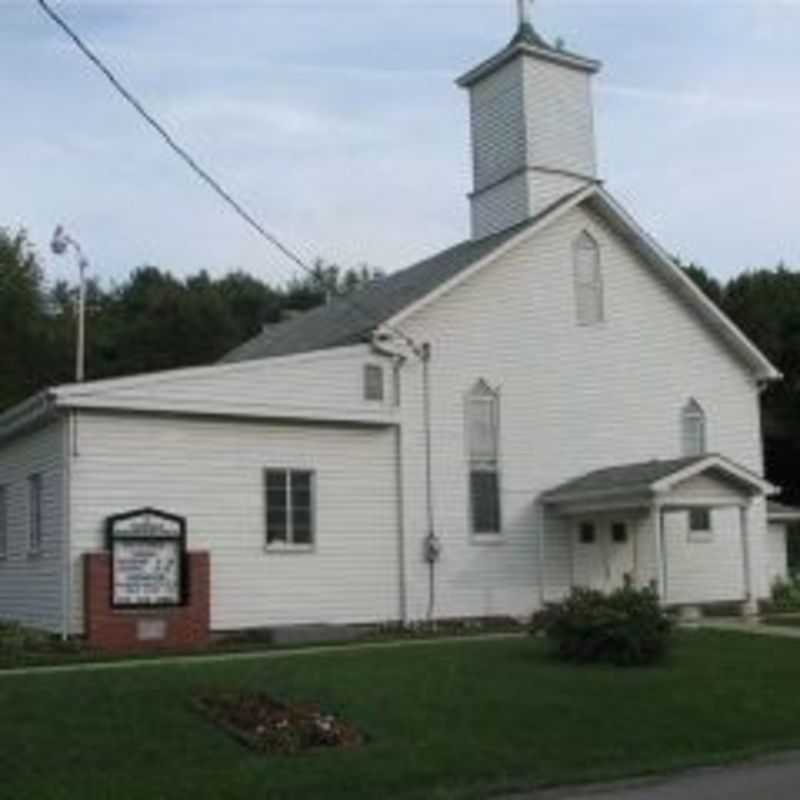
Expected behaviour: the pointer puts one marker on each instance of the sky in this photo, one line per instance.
(338, 125)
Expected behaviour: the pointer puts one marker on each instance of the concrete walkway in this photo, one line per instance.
(748, 626)
(250, 655)
(776, 778)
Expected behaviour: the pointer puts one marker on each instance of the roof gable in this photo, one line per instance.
(655, 477)
(389, 301)
(352, 320)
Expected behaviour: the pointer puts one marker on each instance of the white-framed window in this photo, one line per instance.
(373, 382)
(35, 513)
(483, 444)
(290, 517)
(701, 524)
(3, 522)
(619, 532)
(587, 533)
(693, 429)
(588, 275)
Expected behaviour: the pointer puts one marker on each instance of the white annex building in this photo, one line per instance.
(547, 404)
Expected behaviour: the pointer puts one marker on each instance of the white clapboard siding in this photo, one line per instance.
(777, 564)
(31, 586)
(497, 118)
(704, 568)
(500, 206)
(212, 473)
(559, 117)
(533, 140)
(573, 399)
(321, 384)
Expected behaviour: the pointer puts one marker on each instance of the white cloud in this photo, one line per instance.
(339, 126)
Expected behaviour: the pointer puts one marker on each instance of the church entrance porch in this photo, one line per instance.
(682, 526)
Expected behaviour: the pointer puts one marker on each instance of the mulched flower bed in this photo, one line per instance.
(271, 727)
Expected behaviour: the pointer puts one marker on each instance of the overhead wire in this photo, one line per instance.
(202, 173)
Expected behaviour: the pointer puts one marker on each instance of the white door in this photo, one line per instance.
(603, 552)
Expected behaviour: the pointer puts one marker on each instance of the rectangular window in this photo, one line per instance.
(35, 513)
(485, 491)
(587, 533)
(3, 522)
(373, 383)
(290, 508)
(482, 434)
(619, 532)
(700, 521)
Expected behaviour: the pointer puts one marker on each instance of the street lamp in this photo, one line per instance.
(60, 243)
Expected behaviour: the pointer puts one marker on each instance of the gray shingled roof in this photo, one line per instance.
(624, 478)
(525, 38)
(352, 320)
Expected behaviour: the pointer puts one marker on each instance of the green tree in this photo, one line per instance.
(25, 338)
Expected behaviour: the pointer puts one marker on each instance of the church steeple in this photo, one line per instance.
(532, 128)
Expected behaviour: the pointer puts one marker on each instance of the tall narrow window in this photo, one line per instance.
(290, 508)
(693, 429)
(483, 440)
(588, 280)
(35, 513)
(3, 522)
(373, 382)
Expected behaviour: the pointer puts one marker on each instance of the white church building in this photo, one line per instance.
(550, 403)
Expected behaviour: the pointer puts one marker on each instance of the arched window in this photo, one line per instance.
(588, 280)
(482, 412)
(693, 429)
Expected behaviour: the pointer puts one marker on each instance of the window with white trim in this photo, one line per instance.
(290, 508)
(693, 429)
(373, 382)
(483, 442)
(587, 533)
(700, 521)
(588, 280)
(35, 513)
(3, 522)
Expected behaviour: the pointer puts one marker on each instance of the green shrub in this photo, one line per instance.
(785, 595)
(627, 627)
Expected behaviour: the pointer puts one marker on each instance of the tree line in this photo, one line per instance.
(153, 320)
(150, 321)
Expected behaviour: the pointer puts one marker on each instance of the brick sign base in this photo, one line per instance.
(121, 631)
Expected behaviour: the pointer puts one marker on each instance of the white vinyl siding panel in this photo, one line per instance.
(326, 384)
(31, 584)
(559, 117)
(777, 562)
(498, 125)
(212, 472)
(704, 567)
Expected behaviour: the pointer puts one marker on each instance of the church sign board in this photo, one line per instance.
(148, 559)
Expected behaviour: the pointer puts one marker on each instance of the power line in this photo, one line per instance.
(200, 171)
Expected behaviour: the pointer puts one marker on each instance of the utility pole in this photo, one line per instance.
(60, 243)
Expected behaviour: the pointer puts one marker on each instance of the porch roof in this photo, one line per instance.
(778, 512)
(646, 480)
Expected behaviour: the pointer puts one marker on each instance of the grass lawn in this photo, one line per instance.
(445, 720)
(787, 620)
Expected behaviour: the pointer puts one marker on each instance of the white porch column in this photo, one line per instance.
(750, 607)
(657, 518)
